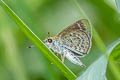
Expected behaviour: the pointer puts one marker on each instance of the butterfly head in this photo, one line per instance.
(49, 42)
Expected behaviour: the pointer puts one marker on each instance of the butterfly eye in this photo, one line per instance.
(50, 40)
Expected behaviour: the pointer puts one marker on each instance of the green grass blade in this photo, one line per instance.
(47, 53)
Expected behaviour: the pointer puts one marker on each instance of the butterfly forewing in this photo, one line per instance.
(88, 27)
(76, 37)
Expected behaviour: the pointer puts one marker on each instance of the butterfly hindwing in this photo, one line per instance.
(77, 37)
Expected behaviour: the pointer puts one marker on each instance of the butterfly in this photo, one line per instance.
(73, 42)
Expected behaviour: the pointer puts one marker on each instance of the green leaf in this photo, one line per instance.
(97, 70)
(115, 54)
(113, 67)
(118, 5)
(47, 53)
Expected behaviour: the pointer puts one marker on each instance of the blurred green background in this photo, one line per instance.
(20, 63)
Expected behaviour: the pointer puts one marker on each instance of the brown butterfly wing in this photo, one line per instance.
(76, 37)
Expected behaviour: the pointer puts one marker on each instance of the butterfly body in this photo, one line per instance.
(72, 42)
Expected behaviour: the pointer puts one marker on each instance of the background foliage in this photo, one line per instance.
(42, 16)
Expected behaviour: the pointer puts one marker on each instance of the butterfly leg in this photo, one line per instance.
(62, 57)
(74, 59)
(57, 54)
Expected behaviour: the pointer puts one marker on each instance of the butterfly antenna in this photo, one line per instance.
(48, 34)
(31, 46)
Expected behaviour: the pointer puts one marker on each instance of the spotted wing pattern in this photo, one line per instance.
(76, 37)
